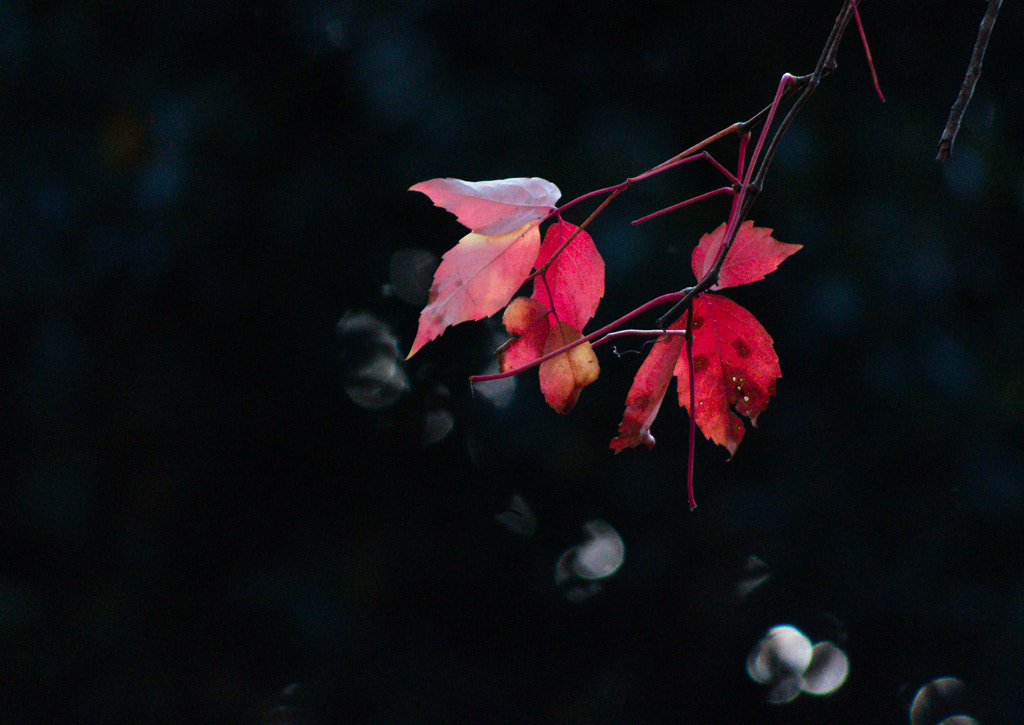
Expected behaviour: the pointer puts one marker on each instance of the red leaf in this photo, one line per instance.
(735, 369)
(648, 390)
(492, 208)
(571, 288)
(753, 255)
(476, 278)
(528, 320)
(564, 376)
(574, 283)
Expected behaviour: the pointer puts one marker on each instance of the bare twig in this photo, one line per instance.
(867, 53)
(956, 113)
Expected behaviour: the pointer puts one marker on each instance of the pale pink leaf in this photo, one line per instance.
(476, 278)
(492, 208)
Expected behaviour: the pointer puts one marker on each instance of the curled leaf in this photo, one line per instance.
(528, 320)
(564, 376)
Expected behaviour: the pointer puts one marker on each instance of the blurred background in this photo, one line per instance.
(226, 497)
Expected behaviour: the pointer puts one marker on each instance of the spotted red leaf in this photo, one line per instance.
(735, 365)
(734, 368)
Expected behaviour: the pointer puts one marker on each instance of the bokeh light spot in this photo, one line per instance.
(500, 393)
(602, 554)
(579, 568)
(938, 702)
(785, 659)
(437, 424)
(755, 573)
(410, 273)
(518, 517)
(827, 669)
(785, 650)
(372, 370)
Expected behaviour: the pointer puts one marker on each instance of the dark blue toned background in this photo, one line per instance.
(218, 505)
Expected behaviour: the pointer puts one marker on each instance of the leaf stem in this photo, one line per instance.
(867, 51)
(693, 406)
(590, 337)
(691, 154)
(680, 205)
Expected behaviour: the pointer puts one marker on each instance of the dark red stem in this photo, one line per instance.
(599, 333)
(693, 406)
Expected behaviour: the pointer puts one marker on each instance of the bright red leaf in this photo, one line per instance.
(648, 390)
(566, 296)
(734, 367)
(492, 208)
(753, 254)
(476, 278)
(574, 283)
(734, 362)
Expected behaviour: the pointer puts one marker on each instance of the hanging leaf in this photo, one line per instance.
(734, 367)
(648, 391)
(564, 376)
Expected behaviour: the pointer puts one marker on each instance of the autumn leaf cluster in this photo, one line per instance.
(725, 356)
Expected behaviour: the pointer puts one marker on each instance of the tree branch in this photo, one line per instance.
(956, 113)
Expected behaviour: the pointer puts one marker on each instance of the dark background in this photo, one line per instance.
(216, 508)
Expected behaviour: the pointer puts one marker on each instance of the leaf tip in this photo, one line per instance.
(417, 344)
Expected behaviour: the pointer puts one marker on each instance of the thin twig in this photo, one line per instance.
(867, 52)
(956, 113)
(680, 205)
(590, 337)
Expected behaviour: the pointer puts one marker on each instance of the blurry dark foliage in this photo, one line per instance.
(201, 522)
